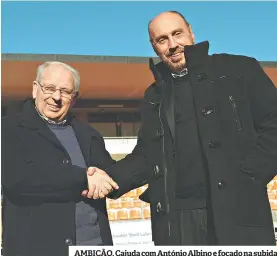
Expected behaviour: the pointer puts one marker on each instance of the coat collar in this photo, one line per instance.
(196, 54)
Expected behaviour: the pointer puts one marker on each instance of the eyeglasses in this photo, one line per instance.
(50, 89)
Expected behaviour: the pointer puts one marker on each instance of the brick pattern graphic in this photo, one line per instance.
(129, 206)
(272, 194)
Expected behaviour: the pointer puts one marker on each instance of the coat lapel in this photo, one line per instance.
(31, 120)
(84, 137)
(168, 103)
(164, 85)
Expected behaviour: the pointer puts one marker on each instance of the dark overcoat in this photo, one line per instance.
(41, 186)
(236, 112)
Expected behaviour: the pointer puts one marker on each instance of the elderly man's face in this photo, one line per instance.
(54, 93)
(169, 34)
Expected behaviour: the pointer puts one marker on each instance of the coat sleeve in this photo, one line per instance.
(261, 161)
(131, 172)
(38, 181)
(135, 169)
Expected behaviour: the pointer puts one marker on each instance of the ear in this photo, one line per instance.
(74, 98)
(192, 34)
(151, 36)
(154, 48)
(35, 89)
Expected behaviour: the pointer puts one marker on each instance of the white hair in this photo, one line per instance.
(74, 72)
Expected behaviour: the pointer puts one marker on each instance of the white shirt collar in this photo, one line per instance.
(46, 119)
(181, 74)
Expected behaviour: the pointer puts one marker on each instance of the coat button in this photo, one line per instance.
(157, 171)
(208, 111)
(155, 105)
(159, 134)
(65, 161)
(213, 144)
(221, 184)
(159, 208)
(201, 76)
(68, 241)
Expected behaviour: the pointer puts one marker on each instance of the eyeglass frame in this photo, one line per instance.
(68, 96)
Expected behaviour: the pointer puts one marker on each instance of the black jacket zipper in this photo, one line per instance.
(235, 113)
(165, 169)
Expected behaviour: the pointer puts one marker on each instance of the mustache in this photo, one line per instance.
(58, 103)
(175, 51)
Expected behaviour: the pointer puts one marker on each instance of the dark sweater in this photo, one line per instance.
(87, 226)
(189, 168)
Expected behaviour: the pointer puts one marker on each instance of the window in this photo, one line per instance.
(115, 124)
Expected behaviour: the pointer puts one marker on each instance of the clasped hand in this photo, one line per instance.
(100, 184)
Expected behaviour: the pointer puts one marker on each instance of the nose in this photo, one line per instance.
(171, 43)
(56, 95)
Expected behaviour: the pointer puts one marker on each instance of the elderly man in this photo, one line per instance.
(46, 153)
(208, 143)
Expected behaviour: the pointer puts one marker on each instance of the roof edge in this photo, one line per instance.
(75, 58)
(92, 58)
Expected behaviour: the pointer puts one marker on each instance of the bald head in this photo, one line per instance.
(164, 14)
(169, 32)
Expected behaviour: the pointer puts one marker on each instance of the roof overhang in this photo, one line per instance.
(102, 77)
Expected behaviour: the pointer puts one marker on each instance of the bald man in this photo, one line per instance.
(207, 146)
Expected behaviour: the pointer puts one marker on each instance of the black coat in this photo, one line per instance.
(236, 111)
(40, 186)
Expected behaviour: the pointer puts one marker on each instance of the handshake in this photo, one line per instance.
(100, 184)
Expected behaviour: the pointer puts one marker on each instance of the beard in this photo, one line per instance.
(175, 66)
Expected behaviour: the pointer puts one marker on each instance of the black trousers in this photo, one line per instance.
(196, 227)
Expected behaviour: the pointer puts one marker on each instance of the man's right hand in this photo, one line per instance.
(100, 184)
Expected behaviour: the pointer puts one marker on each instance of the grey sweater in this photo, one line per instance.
(87, 226)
